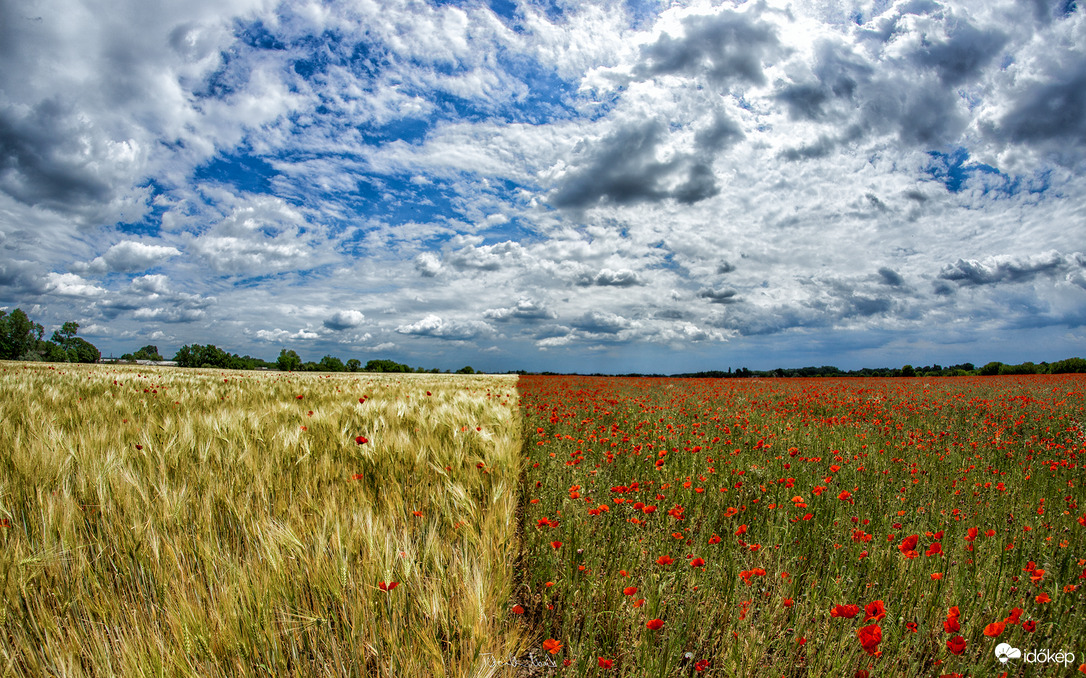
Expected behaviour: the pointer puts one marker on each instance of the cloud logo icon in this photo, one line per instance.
(1004, 653)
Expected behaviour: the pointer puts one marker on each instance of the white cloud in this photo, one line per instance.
(131, 256)
(342, 320)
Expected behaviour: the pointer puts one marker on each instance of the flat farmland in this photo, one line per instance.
(160, 521)
(898, 527)
(166, 522)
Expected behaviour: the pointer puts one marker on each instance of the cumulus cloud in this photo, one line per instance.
(433, 326)
(524, 309)
(342, 320)
(613, 278)
(131, 256)
(602, 322)
(71, 285)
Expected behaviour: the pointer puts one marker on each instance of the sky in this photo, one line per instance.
(565, 185)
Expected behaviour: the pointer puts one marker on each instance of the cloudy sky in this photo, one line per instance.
(610, 186)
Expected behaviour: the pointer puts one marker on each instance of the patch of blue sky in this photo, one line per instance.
(1068, 7)
(955, 171)
(243, 172)
(643, 12)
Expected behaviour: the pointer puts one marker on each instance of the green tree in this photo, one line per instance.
(288, 361)
(354, 364)
(331, 363)
(908, 371)
(990, 369)
(82, 351)
(18, 335)
(148, 352)
(466, 369)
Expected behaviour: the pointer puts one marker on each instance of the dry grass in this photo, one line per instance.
(169, 522)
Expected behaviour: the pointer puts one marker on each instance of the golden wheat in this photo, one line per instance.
(199, 522)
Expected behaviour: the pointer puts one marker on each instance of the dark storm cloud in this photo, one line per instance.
(867, 306)
(1053, 111)
(888, 276)
(725, 267)
(724, 296)
(839, 75)
(727, 47)
(43, 160)
(721, 133)
(969, 272)
(622, 169)
(967, 51)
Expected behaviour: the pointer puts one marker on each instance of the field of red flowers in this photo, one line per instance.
(896, 527)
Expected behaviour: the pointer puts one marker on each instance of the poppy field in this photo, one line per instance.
(805, 527)
(167, 522)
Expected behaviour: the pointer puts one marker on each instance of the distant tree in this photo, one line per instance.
(148, 352)
(1069, 366)
(990, 369)
(83, 351)
(908, 371)
(288, 361)
(331, 364)
(467, 369)
(354, 364)
(385, 366)
(1024, 368)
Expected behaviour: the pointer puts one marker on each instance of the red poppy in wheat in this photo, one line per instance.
(388, 586)
(875, 610)
(697, 562)
(951, 625)
(956, 645)
(551, 645)
(629, 590)
(846, 496)
(972, 534)
(1043, 598)
(909, 543)
(715, 539)
(1014, 616)
(654, 624)
(517, 609)
(664, 560)
(870, 637)
(361, 440)
(845, 611)
(935, 549)
(556, 545)
(606, 663)
(994, 629)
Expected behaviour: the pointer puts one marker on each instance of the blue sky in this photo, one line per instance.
(550, 185)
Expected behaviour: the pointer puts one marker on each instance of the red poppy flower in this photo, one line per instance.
(870, 637)
(606, 663)
(787, 602)
(715, 539)
(664, 560)
(654, 624)
(639, 603)
(629, 590)
(361, 440)
(517, 609)
(1029, 626)
(551, 645)
(875, 610)
(994, 629)
(388, 586)
(1014, 616)
(556, 544)
(845, 611)
(1043, 598)
(909, 543)
(299, 397)
(951, 625)
(697, 562)
(935, 549)
(956, 645)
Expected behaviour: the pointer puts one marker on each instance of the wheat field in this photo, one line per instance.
(165, 522)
